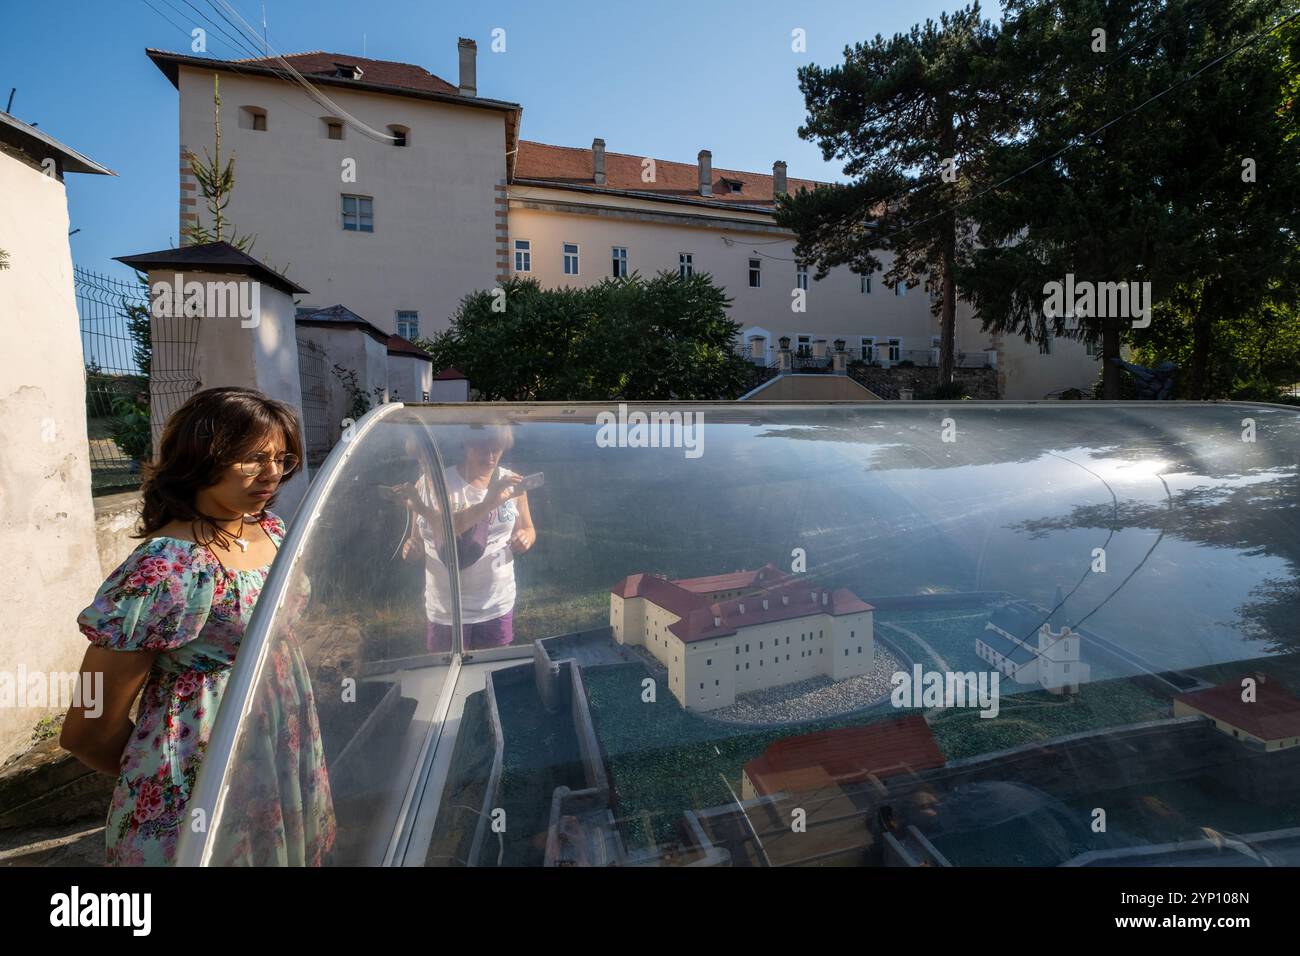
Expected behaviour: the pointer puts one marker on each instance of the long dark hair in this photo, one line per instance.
(216, 427)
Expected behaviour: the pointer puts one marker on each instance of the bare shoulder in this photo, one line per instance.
(176, 529)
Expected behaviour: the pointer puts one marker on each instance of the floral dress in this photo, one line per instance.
(175, 597)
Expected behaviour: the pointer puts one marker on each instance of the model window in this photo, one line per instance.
(333, 127)
(523, 255)
(620, 262)
(570, 258)
(755, 273)
(801, 277)
(685, 264)
(399, 134)
(865, 284)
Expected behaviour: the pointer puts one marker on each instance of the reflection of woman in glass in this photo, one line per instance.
(492, 523)
(170, 620)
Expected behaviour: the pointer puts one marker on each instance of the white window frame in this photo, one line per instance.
(618, 262)
(868, 342)
(756, 273)
(685, 264)
(801, 276)
(799, 343)
(359, 227)
(895, 345)
(523, 249)
(410, 315)
(575, 254)
(864, 284)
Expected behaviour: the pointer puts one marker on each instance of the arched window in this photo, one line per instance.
(252, 117)
(400, 134)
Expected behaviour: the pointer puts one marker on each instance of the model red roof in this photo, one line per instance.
(785, 601)
(1273, 715)
(846, 755)
(767, 575)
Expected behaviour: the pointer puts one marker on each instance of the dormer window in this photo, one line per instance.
(399, 134)
(348, 71)
(732, 185)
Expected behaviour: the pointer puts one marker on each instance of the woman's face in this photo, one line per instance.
(240, 493)
(481, 459)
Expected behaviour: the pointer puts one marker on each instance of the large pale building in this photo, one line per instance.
(729, 634)
(439, 196)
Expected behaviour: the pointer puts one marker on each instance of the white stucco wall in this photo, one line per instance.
(434, 202)
(49, 566)
(409, 378)
(263, 356)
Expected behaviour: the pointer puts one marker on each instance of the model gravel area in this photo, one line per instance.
(814, 698)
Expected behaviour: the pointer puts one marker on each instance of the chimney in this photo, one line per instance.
(706, 173)
(468, 69)
(598, 160)
(778, 178)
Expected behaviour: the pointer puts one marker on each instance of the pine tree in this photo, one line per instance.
(911, 117)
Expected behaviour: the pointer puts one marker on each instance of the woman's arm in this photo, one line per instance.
(525, 534)
(98, 738)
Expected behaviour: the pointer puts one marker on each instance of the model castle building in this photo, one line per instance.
(729, 634)
(1022, 646)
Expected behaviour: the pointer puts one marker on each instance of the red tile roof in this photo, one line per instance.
(696, 613)
(450, 373)
(845, 755)
(570, 166)
(1274, 714)
(405, 76)
(401, 346)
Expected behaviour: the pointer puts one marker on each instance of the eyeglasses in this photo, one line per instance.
(258, 463)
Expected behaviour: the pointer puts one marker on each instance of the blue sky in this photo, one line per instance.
(662, 79)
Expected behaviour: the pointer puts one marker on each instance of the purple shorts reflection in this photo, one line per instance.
(497, 632)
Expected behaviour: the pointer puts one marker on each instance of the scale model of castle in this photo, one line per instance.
(729, 634)
(1030, 650)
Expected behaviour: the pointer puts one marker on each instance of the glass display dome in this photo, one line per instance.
(886, 634)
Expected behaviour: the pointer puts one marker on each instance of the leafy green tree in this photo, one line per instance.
(1129, 165)
(912, 118)
(630, 339)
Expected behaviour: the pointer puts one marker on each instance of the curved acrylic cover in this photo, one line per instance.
(1100, 578)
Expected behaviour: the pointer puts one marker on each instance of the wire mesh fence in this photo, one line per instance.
(137, 369)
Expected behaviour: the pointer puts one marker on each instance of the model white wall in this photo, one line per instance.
(49, 568)
(434, 237)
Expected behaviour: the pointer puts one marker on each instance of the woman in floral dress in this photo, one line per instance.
(167, 625)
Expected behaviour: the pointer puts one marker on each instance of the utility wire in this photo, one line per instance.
(314, 93)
